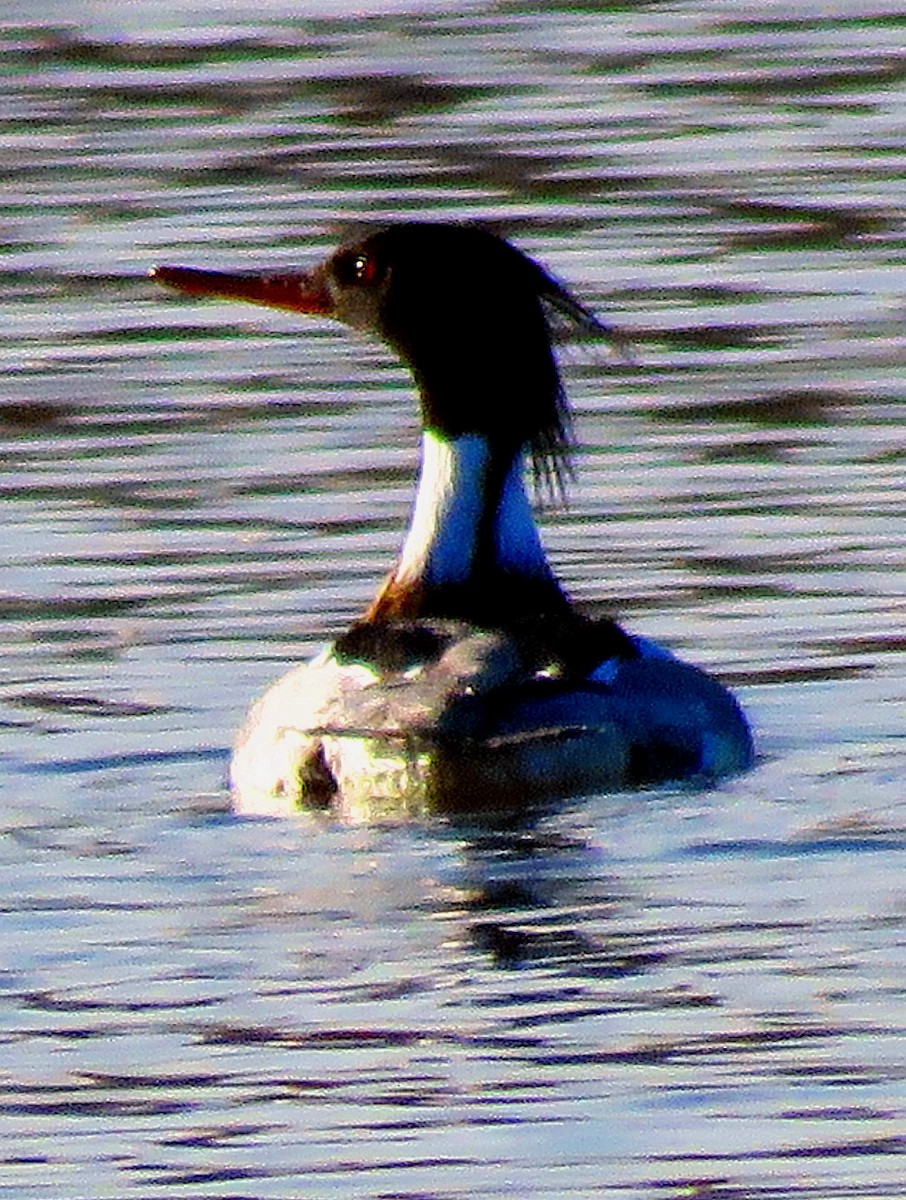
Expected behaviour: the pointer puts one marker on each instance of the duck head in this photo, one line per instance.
(466, 311)
(471, 317)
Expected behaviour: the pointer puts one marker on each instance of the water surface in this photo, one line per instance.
(682, 993)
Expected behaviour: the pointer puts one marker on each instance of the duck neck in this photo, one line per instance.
(473, 546)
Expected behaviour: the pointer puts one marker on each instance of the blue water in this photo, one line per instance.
(680, 993)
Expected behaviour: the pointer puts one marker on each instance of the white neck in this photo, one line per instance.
(450, 511)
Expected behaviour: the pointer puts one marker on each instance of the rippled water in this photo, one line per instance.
(678, 993)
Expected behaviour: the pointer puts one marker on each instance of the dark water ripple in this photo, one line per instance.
(682, 994)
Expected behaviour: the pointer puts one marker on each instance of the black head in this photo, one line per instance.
(465, 310)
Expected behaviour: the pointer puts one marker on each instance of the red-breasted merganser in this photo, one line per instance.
(472, 681)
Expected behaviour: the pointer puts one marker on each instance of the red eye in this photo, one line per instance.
(364, 269)
(355, 267)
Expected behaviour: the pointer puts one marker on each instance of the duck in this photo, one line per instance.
(472, 682)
